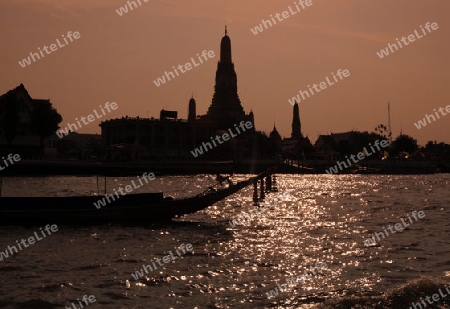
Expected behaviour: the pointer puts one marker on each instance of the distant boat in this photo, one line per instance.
(131, 208)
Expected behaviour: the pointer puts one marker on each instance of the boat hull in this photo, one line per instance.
(133, 208)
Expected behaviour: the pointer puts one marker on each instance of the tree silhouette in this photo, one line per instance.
(383, 131)
(11, 119)
(404, 143)
(45, 121)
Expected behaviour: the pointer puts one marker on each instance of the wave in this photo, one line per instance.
(402, 297)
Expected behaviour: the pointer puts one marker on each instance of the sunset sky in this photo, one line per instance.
(117, 58)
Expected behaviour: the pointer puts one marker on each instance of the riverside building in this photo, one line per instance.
(135, 138)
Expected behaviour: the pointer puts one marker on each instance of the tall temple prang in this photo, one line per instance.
(296, 125)
(192, 114)
(171, 137)
(226, 109)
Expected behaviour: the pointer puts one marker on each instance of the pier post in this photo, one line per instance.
(274, 184)
(255, 192)
(262, 189)
(269, 183)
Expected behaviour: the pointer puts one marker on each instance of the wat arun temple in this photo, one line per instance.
(169, 137)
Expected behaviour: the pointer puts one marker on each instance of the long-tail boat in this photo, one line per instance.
(131, 208)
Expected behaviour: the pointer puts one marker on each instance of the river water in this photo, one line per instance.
(311, 219)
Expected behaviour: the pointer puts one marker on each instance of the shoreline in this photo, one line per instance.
(192, 167)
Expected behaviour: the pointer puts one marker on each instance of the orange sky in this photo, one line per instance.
(117, 58)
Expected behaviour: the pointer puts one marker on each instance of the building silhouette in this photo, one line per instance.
(289, 145)
(296, 125)
(16, 108)
(192, 110)
(170, 137)
(226, 109)
(276, 139)
(17, 134)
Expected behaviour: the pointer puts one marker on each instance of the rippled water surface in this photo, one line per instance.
(311, 219)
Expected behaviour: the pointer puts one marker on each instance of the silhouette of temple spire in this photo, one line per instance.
(225, 48)
(226, 108)
(274, 135)
(296, 125)
(192, 113)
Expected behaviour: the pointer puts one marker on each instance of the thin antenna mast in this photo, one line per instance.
(389, 122)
